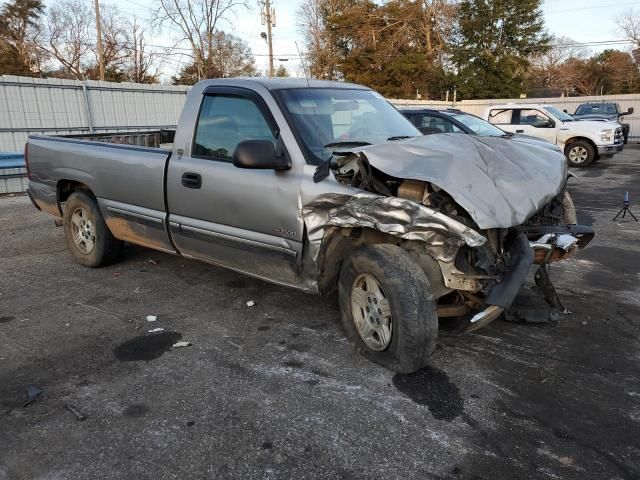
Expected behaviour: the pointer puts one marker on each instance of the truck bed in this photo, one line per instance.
(134, 175)
(154, 138)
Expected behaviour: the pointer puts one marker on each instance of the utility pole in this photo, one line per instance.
(269, 17)
(99, 40)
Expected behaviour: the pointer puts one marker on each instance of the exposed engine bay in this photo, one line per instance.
(472, 270)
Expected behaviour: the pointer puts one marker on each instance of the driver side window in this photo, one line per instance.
(430, 124)
(223, 122)
(533, 118)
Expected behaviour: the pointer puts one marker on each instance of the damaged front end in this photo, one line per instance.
(475, 259)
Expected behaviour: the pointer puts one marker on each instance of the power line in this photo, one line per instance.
(594, 7)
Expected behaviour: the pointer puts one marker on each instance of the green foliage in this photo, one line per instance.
(19, 27)
(281, 71)
(391, 47)
(493, 42)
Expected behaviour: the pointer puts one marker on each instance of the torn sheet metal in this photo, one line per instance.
(499, 182)
(396, 216)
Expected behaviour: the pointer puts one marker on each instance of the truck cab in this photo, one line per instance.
(582, 142)
(604, 111)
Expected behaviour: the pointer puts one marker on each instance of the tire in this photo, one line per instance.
(580, 153)
(410, 302)
(88, 237)
(569, 214)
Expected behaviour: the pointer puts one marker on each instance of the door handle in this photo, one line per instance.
(519, 131)
(191, 180)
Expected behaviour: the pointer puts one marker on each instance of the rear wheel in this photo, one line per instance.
(388, 309)
(580, 153)
(88, 237)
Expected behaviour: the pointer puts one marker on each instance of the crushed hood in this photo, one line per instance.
(500, 182)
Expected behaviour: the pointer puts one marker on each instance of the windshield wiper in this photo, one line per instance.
(399, 137)
(355, 143)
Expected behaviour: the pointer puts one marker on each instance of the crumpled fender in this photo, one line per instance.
(399, 217)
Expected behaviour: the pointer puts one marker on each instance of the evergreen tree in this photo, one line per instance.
(19, 31)
(492, 46)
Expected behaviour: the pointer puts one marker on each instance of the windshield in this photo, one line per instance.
(327, 118)
(598, 108)
(477, 125)
(559, 114)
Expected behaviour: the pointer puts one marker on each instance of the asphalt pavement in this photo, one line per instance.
(273, 391)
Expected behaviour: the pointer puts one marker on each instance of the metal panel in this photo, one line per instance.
(54, 106)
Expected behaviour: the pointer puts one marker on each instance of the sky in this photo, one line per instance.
(585, 21)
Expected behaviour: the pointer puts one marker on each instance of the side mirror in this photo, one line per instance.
(565, 110)
(259, 154)
(629, 112)
(551, 124)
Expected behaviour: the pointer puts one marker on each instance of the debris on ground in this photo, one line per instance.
(151, 318)
(156, 330)
(250, 303)
(181, 344)
(76, 412)
(32, 394)
(116, 274)
(152, 261)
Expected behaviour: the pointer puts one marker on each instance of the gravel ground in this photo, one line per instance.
(273, 391)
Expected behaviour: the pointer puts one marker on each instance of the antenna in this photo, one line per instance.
(304, 66)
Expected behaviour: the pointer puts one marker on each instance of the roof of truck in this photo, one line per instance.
(276, 83)
(518, 105)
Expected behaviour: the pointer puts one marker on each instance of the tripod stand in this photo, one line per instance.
(625, 209)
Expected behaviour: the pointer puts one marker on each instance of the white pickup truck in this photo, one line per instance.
(583, 142)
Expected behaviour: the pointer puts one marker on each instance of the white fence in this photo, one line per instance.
(58, 107)
(477, 107)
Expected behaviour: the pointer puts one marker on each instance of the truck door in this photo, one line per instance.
(535, 123)
(502, 118)
(247, 220)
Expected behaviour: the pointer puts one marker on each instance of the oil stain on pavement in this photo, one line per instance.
(431, 387)
(146, 347)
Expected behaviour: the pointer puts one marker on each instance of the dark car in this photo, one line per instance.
(452, 120)
(604, 111)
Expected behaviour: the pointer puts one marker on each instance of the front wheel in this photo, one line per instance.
(580, 153)
(388, 308)
(88, 237)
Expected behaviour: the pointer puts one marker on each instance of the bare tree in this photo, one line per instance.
(140, 64)
(197, 22)
(321, 58)
(547, 70)
(230, 57)
(70, 34)
(629, 26)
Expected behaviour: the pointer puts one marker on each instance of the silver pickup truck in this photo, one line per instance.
(323, 186)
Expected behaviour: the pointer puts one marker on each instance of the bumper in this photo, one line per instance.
(44, 197)
(521, 254)
(33, 202)
(502, 295)
(604, 150)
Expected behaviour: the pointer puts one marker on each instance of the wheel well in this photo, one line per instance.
(338, 245)
(584, 139)
(67, 187)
